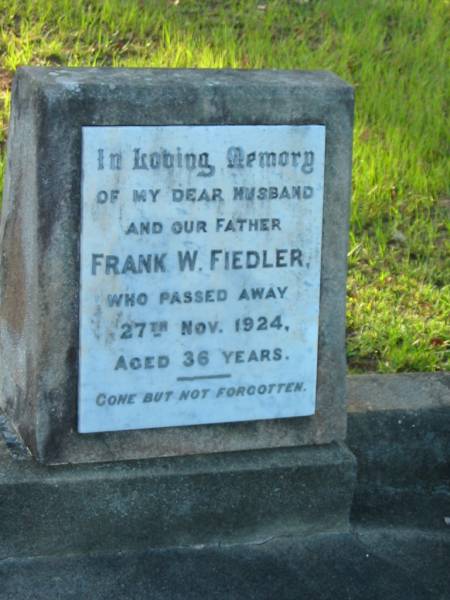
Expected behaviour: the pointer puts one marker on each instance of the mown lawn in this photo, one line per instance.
(396, 54)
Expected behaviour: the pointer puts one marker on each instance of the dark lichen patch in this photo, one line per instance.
(13, 269)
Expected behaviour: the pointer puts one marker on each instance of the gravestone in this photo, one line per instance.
(173, 262)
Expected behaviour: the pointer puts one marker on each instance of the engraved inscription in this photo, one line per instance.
(199, 274)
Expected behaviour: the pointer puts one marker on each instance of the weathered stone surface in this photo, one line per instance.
(40, 229)
(393, 564)
(399, 430)
(176, 501)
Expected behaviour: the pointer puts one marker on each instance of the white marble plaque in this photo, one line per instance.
(200, 274)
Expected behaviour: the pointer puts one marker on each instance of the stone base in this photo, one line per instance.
(221, 498)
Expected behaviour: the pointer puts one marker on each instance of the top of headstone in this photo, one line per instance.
(105, 75)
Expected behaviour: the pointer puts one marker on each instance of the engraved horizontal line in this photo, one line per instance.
(196, 377)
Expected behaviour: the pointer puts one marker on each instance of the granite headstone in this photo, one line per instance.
(173, 261)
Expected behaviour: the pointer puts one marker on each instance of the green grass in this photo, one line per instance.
(396, 55)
